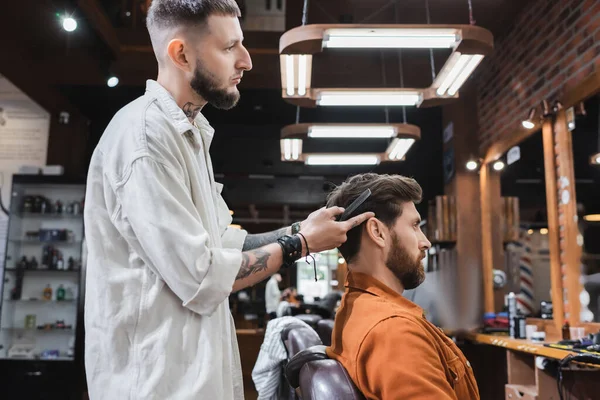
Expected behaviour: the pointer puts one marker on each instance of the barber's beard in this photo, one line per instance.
(206, 85)
(408, 270)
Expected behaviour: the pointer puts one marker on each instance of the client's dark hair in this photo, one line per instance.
(388, 194)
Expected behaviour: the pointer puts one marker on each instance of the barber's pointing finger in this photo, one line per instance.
(359, 219)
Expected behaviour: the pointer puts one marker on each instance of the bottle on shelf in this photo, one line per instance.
(60, 293)
(47, 292)
(512, 314)
(566, 330)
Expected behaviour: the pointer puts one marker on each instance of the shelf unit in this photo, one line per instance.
(41, 332)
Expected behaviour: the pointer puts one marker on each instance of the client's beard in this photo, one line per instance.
(410, 272)
(206, 86)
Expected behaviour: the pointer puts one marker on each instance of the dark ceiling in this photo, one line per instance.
(246, 157)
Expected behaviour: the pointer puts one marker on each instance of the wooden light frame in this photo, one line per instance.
(300, 132)
(304, 41)
(558, 162)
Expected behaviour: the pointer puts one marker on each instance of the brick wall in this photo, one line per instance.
(551, 47)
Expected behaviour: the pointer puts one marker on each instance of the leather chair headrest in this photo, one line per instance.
(300, 339)
(293, 367)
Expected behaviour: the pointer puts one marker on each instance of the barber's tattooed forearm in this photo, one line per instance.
(262, 239)
(190, 110)
(253, 262)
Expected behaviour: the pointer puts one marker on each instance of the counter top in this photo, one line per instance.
(522, 345)
(525, 346)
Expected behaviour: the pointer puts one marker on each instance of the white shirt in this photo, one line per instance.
(268, 370)
(272, 295)
(161, 260)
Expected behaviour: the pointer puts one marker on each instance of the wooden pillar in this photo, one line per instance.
(565, 252)
(464, 186)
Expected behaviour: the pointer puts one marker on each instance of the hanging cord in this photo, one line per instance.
(402, 82)
(308, 255)
(396, 9)
(471, 20)
(384, 78)
(430, 50)
(304, 18)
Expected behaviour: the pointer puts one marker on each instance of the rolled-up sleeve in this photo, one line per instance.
(234, 238)
(159, 220)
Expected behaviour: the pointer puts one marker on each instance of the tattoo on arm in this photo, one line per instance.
(262, 239)
(259, 264)
(190, 110)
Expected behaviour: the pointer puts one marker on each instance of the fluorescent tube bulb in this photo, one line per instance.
(287, 149)
(342, 159)
(472, 63)
(302, 74)
(399, 148)
(289, 74)
(356, 132)
(296, 143)
(452, 68)
(368, 98)
(390, 38)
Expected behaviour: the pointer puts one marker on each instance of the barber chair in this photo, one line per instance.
(295, 339)
(310, 319)
(325, 329)
(319, 377)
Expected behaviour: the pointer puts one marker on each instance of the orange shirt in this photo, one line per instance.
(391, 351)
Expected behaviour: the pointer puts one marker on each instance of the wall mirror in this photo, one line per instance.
(586, 160)
(523, 226)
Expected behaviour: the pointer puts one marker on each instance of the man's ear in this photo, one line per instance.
(376, 231)
(177, 52)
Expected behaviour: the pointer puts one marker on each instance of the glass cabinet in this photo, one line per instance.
(42, 276)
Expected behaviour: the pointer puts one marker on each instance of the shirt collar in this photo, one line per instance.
(178, 117)
(367, 283)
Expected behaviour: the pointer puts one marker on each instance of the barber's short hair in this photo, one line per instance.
(388, 194)
(173, 13)
(169, 14)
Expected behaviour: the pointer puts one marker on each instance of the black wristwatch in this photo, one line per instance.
(295, 228)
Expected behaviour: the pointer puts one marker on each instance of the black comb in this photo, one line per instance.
(355, 204)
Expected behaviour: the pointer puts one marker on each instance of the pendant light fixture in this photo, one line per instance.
(469, 45)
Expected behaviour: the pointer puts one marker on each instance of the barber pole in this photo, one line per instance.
(525, 297)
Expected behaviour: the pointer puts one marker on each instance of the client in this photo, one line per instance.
(383, 340)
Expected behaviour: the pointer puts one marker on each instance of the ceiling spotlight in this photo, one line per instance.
(530, 232)
(544, 231)
(498, 165)
(69, 24)
(341, 260)
(472, 165)
(528, 123)
(595, 159)
(112, 81)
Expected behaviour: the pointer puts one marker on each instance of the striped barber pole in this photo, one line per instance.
(525, 299)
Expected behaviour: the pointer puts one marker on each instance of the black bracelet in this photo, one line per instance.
(306, 243)
(291, 246)
(309, 256)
